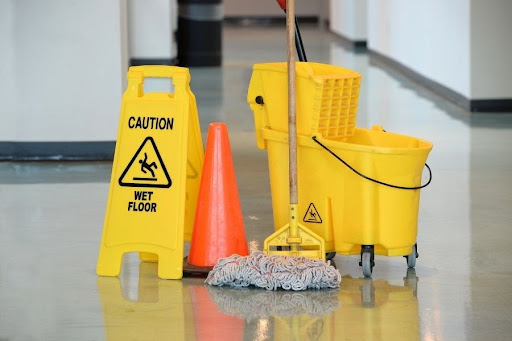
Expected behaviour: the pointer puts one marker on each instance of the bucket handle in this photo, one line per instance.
(368, 178)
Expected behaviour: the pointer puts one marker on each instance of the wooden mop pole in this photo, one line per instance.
(292, 125)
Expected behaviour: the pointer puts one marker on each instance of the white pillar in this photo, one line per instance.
(151, 28)
(62, 70)
(348, 19)
(491, 49)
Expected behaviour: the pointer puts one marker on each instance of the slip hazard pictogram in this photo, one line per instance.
(146, 168)
(312, 215)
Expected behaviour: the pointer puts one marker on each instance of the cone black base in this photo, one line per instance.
(195, 271)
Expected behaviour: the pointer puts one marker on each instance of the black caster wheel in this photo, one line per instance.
(367, 260)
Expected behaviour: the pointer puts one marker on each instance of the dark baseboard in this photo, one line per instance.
(153, 61)
(479, 105)
(359, 43)
(57, 151)
(491, 105)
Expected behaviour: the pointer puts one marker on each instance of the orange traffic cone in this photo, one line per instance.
(219, 225)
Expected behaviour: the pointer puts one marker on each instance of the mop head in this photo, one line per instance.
(273, 272)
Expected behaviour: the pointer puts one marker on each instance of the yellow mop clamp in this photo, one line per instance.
(147, 206)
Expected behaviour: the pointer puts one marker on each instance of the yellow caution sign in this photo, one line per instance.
(194, 171)
(195, 159)
(147, 201)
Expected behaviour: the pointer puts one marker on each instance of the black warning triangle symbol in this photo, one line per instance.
(148, 171)
(312, 215)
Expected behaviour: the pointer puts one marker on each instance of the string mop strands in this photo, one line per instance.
(273, 272)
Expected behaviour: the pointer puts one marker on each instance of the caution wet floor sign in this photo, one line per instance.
(155, 177)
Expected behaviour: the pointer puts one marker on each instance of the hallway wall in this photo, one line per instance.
(151, 28)
(429, 37)
(62, 67)
(463, 45)
(347, 18)
(491, 48)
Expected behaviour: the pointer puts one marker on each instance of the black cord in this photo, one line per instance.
(299, 45)
(368, 178)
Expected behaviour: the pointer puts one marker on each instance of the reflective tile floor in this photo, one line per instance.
(52, 214)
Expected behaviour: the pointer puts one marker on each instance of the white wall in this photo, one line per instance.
(491, 49)
(429, 37)
(8, 100)
(464, 45)
(151, 26)
(348, 18)
(62, 69)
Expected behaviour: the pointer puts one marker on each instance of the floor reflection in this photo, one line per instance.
(157, 313)
(209, 322)
(378, 310)
(279, 315)
(189, 310)
(361, 309)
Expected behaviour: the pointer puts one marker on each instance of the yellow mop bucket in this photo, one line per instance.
(350, 212)
(358, 188)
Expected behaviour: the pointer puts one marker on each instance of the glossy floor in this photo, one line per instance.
(52, 215)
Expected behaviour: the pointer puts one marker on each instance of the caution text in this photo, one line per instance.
(158, 123)
(142, 202)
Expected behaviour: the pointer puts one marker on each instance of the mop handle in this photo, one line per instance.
(298, 39)
(292, 128)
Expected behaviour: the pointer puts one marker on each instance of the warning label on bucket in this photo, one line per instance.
(312, 215)
(146, 168)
